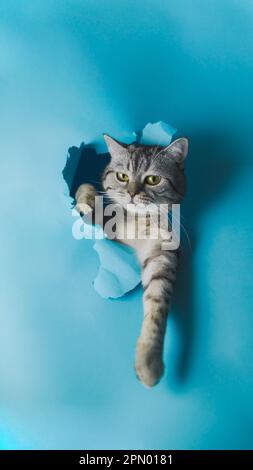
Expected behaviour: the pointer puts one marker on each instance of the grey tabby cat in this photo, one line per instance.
(141, 174)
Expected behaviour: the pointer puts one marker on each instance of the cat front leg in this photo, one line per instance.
(85, 199)
(158, 278)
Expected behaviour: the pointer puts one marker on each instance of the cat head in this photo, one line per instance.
(145, 174)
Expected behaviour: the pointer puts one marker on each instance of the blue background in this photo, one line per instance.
(70, 70)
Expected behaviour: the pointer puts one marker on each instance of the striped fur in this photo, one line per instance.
(158, 277)
(159, 267)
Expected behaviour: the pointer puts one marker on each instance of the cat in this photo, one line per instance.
(145, 174)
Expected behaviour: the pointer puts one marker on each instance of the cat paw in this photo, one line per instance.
(148, 364)
(85, 199)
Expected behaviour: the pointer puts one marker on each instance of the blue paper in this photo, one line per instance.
(158, 133)
(119, 270)
(71, 70)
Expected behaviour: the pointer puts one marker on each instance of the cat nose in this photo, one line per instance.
(132, 189)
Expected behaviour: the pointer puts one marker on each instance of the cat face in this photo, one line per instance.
(145, 174)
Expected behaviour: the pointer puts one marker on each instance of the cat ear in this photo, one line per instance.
(115, 148)
(178, 149)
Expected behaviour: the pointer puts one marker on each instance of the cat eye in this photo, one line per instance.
(122, 177)
(152, 180)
